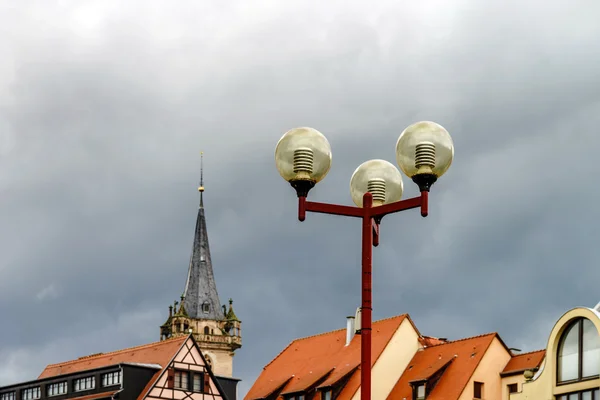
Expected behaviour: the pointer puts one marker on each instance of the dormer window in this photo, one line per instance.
(205, 307)
(326, 395)
(420, 392)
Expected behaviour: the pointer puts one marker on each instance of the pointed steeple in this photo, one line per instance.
(201, 299)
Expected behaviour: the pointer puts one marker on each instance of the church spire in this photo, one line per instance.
(201, 187)
(201, 299)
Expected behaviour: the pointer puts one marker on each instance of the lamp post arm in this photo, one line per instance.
(422, 201)
(326, 208)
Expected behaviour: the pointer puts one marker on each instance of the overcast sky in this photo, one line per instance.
(104, 109)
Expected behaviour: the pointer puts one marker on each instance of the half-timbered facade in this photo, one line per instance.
(172, 369)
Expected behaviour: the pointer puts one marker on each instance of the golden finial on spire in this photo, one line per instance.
(201, 187)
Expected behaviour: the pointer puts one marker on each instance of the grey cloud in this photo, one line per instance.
(104, 110)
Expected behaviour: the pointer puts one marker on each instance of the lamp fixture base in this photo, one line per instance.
(424, 181)
(302, 186)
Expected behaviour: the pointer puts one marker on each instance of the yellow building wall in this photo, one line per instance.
(488, 371)
(543, 386)
(393, 361)
(509, 380)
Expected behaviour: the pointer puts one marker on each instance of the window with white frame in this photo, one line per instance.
(55, 389)
(87, 383)
(31, 393)
(111, 378)
(8, 396)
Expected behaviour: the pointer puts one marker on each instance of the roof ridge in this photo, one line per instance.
(322, 334)
(98, 355)
(463, 339)
(343, 329)
(529, 352)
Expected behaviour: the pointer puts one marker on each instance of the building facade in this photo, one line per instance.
(571, 367)
(215, 327)
(406, 365)
(173, 369)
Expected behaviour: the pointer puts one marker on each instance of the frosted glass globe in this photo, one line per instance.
(424, 148)
(303, 154)
(379, 177)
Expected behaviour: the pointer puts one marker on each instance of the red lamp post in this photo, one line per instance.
(424, 151)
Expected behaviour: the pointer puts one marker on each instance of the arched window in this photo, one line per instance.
(206, 330)
(578, 352)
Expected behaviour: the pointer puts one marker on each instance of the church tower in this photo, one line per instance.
(215, 327)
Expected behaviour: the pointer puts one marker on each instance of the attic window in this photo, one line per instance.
(8, 396)
(31, 393)
(326, 395)
(477, 390)
(205, 307)
(420, 392)
(181, 380)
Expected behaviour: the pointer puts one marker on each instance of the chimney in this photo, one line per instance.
(349, 329)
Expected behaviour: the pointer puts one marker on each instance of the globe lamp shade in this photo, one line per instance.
(424, 148)
(303, 154)
(379, 177)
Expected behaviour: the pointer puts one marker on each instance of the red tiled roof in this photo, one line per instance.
(318, 353)
(95, 396)
(307, 380)
(337, 374)
(427, 341)
(159, 353)
(462, 357)
(521, 362)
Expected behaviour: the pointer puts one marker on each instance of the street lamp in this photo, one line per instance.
(424, 152)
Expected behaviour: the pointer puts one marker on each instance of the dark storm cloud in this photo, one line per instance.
(104, 109)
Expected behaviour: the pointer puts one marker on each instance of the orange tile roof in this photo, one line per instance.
(462, 357)
(320, 352)
(154, 353)
(95, 396)
(427, 341)
(521, 362)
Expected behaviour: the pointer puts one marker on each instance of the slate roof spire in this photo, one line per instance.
(201, 299)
